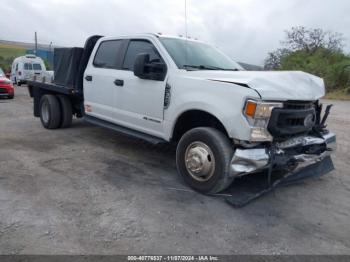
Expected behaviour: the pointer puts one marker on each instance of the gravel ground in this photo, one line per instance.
(87, 190)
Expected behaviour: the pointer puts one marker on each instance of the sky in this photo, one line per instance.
(246, 30)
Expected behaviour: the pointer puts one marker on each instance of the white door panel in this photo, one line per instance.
(100, 90)
(140, 102)
(99, 93)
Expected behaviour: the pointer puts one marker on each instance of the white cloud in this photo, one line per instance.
(244, 29)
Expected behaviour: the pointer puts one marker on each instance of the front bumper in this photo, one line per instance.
(294, 152)
(6, 92)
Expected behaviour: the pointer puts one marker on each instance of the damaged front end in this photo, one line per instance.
(300, 139)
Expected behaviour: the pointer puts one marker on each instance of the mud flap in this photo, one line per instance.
(249, 188)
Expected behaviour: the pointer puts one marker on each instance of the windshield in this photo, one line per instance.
(199, 56)
(1, 72)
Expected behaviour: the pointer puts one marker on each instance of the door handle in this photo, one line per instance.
(119, 82)
(88, 78)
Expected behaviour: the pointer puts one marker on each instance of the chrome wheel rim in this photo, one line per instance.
(199, 161)
(45, 112)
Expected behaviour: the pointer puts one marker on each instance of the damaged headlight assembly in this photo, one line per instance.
(258, 114)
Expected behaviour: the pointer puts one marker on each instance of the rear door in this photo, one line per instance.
(37, 68)
(27, 70)
(139, 102)
(99, 76)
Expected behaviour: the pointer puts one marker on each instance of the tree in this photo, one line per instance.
(273, 60)
(306, 39)
(333, 67)
(47, 64)
(314, 51)
(5, 63)
(301, 38)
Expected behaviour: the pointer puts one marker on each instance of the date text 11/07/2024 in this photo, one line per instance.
(173, 258)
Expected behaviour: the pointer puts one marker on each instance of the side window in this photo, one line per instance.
(26, 67)
(107, 53)
(17, 67)
(137, 47)
(30, 66)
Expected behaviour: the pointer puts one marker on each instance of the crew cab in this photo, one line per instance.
(226, 122)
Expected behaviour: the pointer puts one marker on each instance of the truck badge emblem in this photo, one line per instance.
(309, 121)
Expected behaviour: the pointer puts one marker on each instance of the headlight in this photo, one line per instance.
(258, 115)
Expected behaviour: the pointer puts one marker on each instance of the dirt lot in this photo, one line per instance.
(87, 190)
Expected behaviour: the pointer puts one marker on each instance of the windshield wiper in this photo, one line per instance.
(202, 67)
(208, 67)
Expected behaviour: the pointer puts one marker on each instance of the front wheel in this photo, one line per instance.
(203, 158)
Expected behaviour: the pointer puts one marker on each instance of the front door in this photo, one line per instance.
(140, 102)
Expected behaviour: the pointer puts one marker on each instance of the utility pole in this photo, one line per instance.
(50, 56)
(36, 44)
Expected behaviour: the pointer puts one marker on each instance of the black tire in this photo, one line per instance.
(18, 83)
(222, 150)
(30, 91)
(50, 112)
(66, 111)
(11, 96)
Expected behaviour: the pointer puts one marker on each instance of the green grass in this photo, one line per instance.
(338, 95)
(9, 51)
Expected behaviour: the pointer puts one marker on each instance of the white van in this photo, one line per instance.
(25, 67)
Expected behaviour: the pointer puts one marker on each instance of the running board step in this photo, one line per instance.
(124, 130)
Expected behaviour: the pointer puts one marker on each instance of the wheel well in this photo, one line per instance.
(195, 118)
(37, 93)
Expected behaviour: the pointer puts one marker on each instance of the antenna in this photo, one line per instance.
(36, 43)
(186, 56)
(186, 18)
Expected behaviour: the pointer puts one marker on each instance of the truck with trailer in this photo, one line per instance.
(226, 122)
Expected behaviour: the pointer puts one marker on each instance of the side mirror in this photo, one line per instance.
(140, 65)
(146, 69)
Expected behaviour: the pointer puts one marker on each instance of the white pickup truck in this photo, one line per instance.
(226, 122)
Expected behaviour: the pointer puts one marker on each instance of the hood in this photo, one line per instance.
(3, 78)
(271, 85)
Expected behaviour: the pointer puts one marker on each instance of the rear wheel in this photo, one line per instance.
(11, 96)
(66, 111)
(50, 112)
(203, 158)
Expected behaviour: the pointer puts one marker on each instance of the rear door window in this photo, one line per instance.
(107, 54)
(26, 66)
(37, 67)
